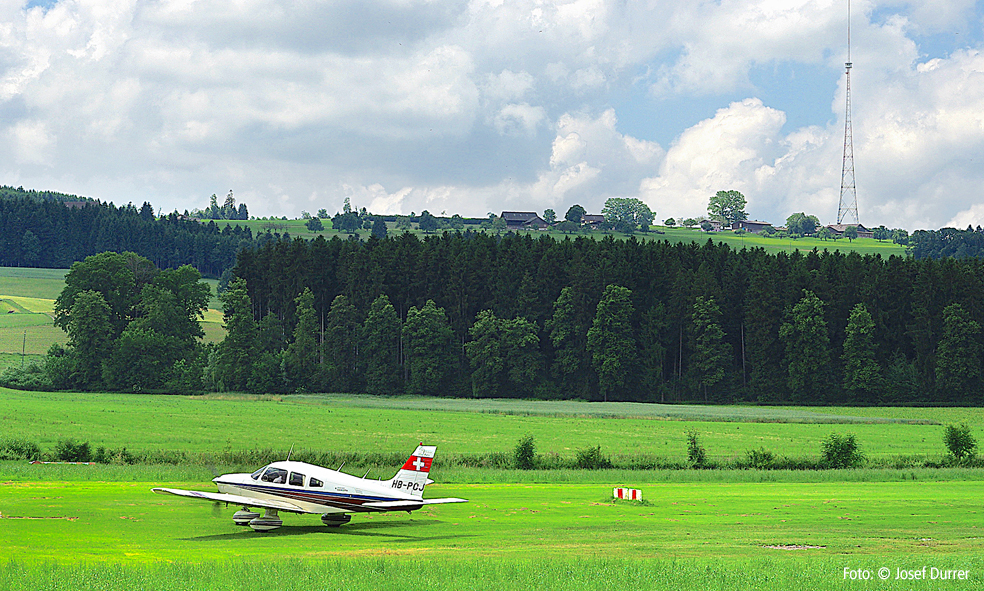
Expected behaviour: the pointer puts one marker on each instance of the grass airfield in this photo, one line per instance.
(124, 522)
(66, 526)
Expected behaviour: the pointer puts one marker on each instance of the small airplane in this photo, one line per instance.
(297, 487)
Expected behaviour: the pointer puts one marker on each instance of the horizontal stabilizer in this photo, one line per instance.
(411, 505)
(443, 501)
(234, 499)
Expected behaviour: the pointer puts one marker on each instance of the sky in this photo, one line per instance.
(478, 106)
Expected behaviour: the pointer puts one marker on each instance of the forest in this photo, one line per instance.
(40, 230)
(471, 314)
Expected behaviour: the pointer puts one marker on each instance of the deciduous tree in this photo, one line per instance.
(729, 205)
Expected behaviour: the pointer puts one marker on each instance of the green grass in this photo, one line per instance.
(347, 424)
(38, 330)
(377, 573)
(675, 234)
(66, 526)
(99, 522)
(15, 360)
(32, 283)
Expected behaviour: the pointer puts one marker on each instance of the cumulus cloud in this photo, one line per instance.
(482, 105)
(722, 153)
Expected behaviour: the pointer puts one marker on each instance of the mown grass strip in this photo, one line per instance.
(384, 574)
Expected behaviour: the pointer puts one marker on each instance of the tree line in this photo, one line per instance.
(470, 314)
(39, 231)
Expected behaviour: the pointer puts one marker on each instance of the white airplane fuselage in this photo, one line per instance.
(313, 488)
(298, 487)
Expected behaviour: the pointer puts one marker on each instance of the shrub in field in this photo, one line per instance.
(19, 449)
(760, 459)
(591, 459)
(960, 442)
(695, 451)
(841, 451)
(32, 378)
(68, 450)
(524, 455)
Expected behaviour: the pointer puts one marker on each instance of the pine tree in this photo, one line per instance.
(380, 349)
(610, 340)
(301, 359)
(862, 374)
(711, 353)
(340, 346)
(804, 334)
(237, 351)
(428, 350)
(958, 363)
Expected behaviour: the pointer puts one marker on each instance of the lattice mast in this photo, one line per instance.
(848, 204)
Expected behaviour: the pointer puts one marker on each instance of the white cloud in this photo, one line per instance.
(721, 153)
(483, 105)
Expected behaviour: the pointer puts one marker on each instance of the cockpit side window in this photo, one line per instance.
(315, 483)
(296, 479)
(274, 475)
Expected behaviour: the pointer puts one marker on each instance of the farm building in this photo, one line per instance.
(592, 220)
(838, 230)
(524, 220)
(750, 226)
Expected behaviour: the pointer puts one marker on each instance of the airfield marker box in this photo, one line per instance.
(632, 494)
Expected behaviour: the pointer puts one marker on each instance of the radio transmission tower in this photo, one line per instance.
(848, 205)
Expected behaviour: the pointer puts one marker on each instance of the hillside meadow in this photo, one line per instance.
(297, 228)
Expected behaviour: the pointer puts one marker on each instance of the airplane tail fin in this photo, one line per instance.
(412, 477)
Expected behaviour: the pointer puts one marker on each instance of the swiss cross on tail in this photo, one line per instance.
(418, 464)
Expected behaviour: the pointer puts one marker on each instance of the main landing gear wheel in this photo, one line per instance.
(268, 522)
(335, 519)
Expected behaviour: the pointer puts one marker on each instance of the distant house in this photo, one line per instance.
(592, 220)
(75, 204)
(838, 230)
(750, 226)
(523, 220)
(716, 226)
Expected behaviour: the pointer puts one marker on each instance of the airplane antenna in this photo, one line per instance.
(339, 469)
(290, 452)
(366, 474)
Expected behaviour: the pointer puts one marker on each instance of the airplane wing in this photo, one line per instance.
(402, 505)
(234, 499)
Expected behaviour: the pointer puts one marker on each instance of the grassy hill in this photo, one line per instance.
(297, 228)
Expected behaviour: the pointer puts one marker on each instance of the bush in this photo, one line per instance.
(19, 449)
(32, 378)
(761, 459)
(67, 450)
(841, 451)
(960, 442)
(591, 459)
(695, 451)
(524, 455)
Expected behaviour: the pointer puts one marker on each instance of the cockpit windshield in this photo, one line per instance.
(274, 475)
(256, 475)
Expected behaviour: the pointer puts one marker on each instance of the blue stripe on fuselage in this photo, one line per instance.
(328, 498)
